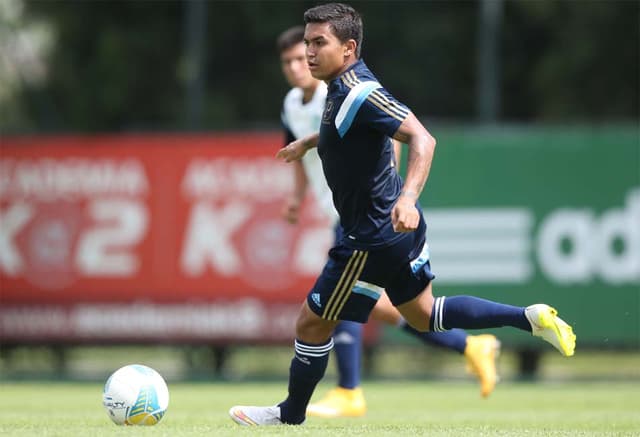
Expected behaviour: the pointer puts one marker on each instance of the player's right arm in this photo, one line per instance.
(292, 205)
(295, 150)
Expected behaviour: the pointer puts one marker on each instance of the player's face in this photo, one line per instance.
(327, 56)
(294, 67)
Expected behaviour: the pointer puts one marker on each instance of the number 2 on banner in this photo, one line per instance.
(121, 224)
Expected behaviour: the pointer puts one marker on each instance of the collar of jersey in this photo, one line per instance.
(359, 64)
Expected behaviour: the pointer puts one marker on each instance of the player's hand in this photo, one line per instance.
(293, 151)
(291, 210)
(404, 215)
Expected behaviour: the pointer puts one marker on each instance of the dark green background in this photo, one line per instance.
(544, 170)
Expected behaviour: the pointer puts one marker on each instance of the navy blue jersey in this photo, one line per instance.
(357, 156)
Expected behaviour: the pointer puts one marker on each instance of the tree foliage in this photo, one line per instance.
(120, 65)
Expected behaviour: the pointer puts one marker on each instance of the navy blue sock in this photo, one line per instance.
(455, 339)
(347, 341)
(468, 312)
(307, 369)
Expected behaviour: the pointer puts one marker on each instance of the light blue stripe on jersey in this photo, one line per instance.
(370, 290)
(352, 103)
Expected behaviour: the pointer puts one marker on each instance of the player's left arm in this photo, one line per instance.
(296, 150)
(405, 216)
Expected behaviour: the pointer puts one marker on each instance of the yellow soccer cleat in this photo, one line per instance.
(545, 323)
(481, 353)
(339, 402)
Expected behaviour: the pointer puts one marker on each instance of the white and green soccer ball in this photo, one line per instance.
(135, 395)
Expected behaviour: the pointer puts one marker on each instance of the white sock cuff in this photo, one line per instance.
(313, 351)
(438, 314)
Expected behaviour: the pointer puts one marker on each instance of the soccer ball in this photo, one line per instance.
(135, 395)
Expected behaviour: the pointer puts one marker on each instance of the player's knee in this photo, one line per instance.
(417, 312)
(424, 305)
(311, 328)
(416, 317)
(420, 324)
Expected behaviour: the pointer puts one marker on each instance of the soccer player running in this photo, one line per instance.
(383, 247)
(302, 110)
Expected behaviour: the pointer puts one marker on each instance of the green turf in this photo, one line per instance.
(395, 409)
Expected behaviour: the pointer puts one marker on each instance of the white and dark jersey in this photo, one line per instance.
(357, 156)
(300, 120)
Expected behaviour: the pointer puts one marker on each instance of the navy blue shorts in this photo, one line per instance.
(352, 280)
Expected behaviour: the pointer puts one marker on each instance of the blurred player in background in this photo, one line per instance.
(384, 243)
(301, 114)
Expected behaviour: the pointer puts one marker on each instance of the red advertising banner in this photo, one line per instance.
(152, 236)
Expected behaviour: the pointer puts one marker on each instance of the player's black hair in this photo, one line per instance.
(289, 38)
(345, 22)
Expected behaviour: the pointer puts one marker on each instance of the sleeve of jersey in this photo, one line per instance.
(382, 112)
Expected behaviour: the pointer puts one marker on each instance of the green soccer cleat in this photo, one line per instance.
(545, 323)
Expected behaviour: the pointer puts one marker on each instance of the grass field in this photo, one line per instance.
(395, 409)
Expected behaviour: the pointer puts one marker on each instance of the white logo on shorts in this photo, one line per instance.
(315, 297)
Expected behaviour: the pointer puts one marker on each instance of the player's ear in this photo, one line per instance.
(350, 47)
